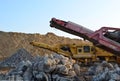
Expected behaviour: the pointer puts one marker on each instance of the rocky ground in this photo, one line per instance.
(55, 67)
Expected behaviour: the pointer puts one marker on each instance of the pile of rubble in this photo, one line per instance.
(104, 72)
(55, 67)
(51, 67)
(20, 55)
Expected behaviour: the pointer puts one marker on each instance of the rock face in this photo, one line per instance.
(18, 56)
(10, 42)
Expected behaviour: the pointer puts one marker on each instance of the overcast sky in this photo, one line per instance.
(33, 16)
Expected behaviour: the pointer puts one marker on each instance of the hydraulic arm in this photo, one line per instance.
(107, 38)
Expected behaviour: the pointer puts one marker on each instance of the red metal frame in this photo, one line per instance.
(97, 36)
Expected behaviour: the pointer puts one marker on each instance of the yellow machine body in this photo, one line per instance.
(85, 52)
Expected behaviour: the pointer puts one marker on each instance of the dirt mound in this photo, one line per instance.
(18, 56)
(11, 41)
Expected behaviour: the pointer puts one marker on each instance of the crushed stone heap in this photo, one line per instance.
(20, 55)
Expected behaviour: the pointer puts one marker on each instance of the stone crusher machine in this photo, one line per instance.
(107, 38)
(84, 52)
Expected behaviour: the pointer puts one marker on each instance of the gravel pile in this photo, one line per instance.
(20, 55)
